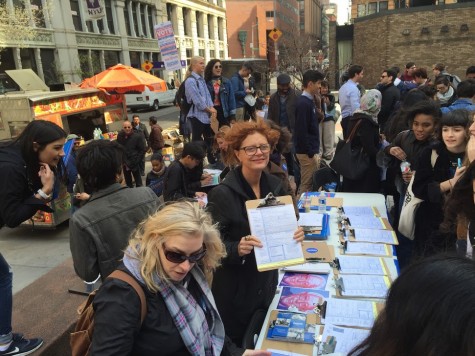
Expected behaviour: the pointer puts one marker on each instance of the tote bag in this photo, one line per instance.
(351, 162)
(407, 224)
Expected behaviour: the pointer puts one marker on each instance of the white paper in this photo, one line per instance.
(359, 210)
(275, 227)
(367, 248)
(317, 268)
(365, 221)
(310, 219)
(346, 338)
(376, 236)
(348, 312)
(361, 265)
(365, 286)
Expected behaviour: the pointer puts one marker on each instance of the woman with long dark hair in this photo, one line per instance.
(221, 92)
(28, 167)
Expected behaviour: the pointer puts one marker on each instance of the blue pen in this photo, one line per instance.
(459, 162)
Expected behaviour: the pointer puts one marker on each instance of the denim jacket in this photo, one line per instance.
(226, 96)
(238, 86)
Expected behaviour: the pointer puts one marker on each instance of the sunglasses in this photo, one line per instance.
(177, 257)
(217, 67)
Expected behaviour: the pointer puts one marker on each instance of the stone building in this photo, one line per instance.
(68, 46)
(360, 8)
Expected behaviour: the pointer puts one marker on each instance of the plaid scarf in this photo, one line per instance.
(189, 317)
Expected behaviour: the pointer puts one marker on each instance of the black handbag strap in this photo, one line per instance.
(353, 131)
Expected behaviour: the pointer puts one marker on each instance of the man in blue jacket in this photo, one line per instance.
(306, 134)
(243, 84)
(466, 97)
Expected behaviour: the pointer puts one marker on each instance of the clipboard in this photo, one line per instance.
(305, 349)
(318, 251)
(279, 248)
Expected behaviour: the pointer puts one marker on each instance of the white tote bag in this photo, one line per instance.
(407, 218)
(407, 225)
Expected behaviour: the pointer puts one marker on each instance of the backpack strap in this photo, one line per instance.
(127, 278)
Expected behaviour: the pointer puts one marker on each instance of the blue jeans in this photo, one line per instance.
(6, 277)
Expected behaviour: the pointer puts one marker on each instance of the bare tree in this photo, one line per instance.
(297, 53)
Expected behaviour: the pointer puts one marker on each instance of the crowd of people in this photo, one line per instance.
(194, 254)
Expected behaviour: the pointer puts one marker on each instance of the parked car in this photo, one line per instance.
(162, 94)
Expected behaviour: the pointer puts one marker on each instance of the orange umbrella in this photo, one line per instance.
(121, 79)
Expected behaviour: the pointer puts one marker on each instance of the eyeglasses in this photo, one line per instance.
(177, 257)
(127, 127)
(218, 66)
(252, 150)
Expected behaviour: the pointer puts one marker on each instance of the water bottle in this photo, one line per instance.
(322, 202)
(405, 167)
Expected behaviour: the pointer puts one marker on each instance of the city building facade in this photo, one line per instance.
(250, 22)
(69, 46)
(360, 8)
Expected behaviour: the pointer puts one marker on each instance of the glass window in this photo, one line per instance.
(110, 18)
(96, 62)
(37, 10)
(50, 68)
(135, 59)
(127, 20)
(111, 58)
(383, 5)
(76, 15)
(211, 54)
(399, 4)
(361, 10)
(210, 27)
(186, 23)
(142, 18)
(135, 18)
(83, 55)
(201, 52)
(372, 8)
(199, 24)
(270, 14)
(151, 11)
(28, 61)
(220, 29)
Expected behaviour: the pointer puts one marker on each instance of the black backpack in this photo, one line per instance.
(181, 100)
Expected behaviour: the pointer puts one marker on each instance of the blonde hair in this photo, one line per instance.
(177, 218)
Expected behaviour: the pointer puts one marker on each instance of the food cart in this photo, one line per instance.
(76, 110)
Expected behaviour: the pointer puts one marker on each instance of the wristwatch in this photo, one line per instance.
(44, 195)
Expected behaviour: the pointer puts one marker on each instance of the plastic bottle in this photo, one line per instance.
(306, 203)
(322, 202)
(405, 167)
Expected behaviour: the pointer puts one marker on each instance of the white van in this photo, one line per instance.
(162, 94)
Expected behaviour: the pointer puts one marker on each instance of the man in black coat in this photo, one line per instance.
(134, 146)
(142, 129)
(391, 95)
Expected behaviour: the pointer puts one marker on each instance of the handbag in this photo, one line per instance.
(350, 162)
(407, 223)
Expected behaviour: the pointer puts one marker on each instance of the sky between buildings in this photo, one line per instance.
(343, 10)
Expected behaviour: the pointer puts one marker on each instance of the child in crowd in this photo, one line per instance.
(155, 178)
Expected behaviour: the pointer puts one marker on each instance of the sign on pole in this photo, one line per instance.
(166, 42)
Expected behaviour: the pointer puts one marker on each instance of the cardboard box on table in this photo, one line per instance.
(173, 145)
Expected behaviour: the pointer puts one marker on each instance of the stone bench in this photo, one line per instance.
(46, 309)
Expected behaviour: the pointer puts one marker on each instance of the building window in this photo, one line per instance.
(220, 29)
(76, 15)
(201, 53)
(186, 22)
(210, 27)
(150, 15)
(135, 19)
(372, 8)
(110, 18)
(111, 58)
(127, 20)
(189, 54)
(96, 62)
(270, 14)
(211, 54)
(37, 9)
(383, 5)
(134, 59)
(440, 2)
(142, 19)
(28, 61)
(50, 68)
(199, 24)
(221, 54)
(361, 10)
(399, 4)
